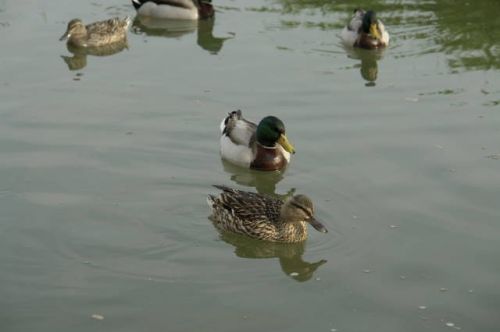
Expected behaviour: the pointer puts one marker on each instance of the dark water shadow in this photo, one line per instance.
(178, 28)
(368, 67)
(263, 182)
(79, 58)
(289, 254)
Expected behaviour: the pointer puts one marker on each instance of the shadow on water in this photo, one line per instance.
(289, 254)
(263, 182)
(79, 59)
(178, 28)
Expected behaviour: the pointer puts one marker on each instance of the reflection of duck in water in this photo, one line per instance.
(206, 38)
(263, 182)
(263, 147)
(289, 254)
(176, 28)
(79, 58)
(365, 31)
(263, 217)
(174, 9)
(97, 34)
(369, 63)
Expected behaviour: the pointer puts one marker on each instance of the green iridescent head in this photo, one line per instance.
(270, 131)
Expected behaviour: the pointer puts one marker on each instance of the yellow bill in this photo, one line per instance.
(374, 31)
(283, 141)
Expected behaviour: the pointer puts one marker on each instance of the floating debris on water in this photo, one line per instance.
(394, 226)
(294, 274)
(412, 99)
(442, 289)
(422, 307)
(333, 330)
(470, 291)
(318, 279)
(450, 324)
(495, 156)
(367, 271)
(97, 316)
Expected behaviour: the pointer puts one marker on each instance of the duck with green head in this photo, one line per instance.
(263, 217)
(262, 147)
(365, 31)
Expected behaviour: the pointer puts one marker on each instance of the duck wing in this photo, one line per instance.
(249, 206)
(239, 130)
(356, 21)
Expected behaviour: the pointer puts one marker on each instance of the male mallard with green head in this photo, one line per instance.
(365, 31)
(263, 217)
(96, 34)
(262, 147)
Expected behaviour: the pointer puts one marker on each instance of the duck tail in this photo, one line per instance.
(223, 188)
(138, 3)
(128, 21)
(228, 122)
(211, 200)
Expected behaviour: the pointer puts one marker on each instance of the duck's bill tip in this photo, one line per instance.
(64, 36)
(285, 143)
(318, 225)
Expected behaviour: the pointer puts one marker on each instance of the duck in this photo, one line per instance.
(96, 34)
(263, 217)
(174, 9)
(365, 31)
(263, 147)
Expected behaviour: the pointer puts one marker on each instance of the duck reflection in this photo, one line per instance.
(289, 254)
(79, 58)
(369, 65)
(263, 182)
(178, 28)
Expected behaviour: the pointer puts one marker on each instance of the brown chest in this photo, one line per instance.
(268, 159)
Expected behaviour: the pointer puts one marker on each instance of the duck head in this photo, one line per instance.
(370, 25)
(270, 131)
(300, 208)
(75, 27)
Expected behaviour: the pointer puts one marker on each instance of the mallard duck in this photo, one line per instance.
(174, 9)
(96, 34)
(365, 31)
(263, 217)
(262, 147)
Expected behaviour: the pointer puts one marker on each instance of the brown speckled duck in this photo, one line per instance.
(263, 217)
(263, 147)
(96, 34)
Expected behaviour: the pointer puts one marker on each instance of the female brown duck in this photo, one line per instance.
(96, 34)
(263, 217)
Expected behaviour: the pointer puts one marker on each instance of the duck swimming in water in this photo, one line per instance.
(365, 31)
(262, 147)
(174, 9)
(263, 217)
(97, 34)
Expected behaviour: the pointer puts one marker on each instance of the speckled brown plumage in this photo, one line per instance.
(263, 217)
(96, 34)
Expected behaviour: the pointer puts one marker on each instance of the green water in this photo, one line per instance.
(105, 163)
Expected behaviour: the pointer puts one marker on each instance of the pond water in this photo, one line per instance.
(105, 163)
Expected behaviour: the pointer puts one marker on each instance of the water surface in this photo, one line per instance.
(105, 163)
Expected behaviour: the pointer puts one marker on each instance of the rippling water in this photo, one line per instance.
(106, 160)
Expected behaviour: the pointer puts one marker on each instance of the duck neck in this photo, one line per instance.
(293, 231)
